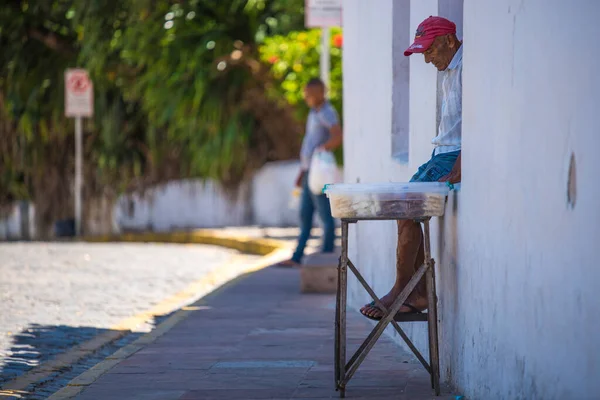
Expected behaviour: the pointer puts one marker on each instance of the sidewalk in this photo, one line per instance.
(259, 338)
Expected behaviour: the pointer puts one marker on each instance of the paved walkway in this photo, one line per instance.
(259, 338)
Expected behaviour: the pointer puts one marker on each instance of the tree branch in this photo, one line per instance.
(43, 35)
(52, 41)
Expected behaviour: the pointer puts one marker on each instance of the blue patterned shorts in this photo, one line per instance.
(435, 168)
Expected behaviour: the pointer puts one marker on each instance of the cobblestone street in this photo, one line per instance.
(54, 296)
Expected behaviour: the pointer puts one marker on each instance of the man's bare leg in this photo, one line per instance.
(418, 298)
(409, 257)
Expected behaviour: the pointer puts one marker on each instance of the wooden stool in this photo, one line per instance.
(344, 371)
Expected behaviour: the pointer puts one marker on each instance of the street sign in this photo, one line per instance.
(79, 94)
(322, 13)
(79, 102)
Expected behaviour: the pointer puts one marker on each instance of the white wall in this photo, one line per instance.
(517, 280)
(367, 72)
(182, 205)
(11, 227)
(400, 82)
(271, 189)
(528, 302)
(264, 201)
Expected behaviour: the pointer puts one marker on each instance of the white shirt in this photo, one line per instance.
(449, 131)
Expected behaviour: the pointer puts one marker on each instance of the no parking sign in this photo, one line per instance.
(79, 94)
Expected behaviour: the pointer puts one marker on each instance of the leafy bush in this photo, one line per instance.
(179, 92)
(294, 60)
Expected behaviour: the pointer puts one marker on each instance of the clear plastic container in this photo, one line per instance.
(387, 200)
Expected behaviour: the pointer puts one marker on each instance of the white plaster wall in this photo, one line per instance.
(368, 71)
(10, 225)
(516, 273)
(182, 205)
(400, 82)
(265, 200)
(272, 188)
(528, 306)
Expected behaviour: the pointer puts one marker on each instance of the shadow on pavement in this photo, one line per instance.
(37, 344)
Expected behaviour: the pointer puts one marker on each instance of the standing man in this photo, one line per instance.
(323, 133)
(436, 40)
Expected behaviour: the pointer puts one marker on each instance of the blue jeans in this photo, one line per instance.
(435, 168)
(308, 203)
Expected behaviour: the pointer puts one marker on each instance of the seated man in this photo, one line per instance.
(436, 39)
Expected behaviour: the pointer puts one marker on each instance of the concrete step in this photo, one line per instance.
(318, 273)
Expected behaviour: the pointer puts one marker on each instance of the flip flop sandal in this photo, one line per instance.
(400, 316)
(288, 264)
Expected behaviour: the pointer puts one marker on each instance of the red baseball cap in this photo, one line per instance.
(427, 31)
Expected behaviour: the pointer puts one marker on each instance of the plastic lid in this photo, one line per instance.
(390, 187)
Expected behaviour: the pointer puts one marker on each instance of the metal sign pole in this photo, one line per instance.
(78, 174)
(79, 102)
(325, 50)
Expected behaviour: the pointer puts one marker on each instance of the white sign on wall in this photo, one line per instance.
(79, 94)
(322, 13)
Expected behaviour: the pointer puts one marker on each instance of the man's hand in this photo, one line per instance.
(454, 176)
(299, 179)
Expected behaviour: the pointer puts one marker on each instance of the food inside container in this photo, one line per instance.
(387, 200)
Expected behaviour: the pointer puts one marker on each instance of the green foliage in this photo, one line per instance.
(177, 92)
(294, 60)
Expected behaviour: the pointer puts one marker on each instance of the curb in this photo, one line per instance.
(244, 244)
(273, 251)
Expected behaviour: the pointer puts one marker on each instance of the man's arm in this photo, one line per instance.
(298, 181)
(335, 138)
(335, 141)
(454, 175)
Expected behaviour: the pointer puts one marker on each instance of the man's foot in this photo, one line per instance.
(373, 312)
(288, 264)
